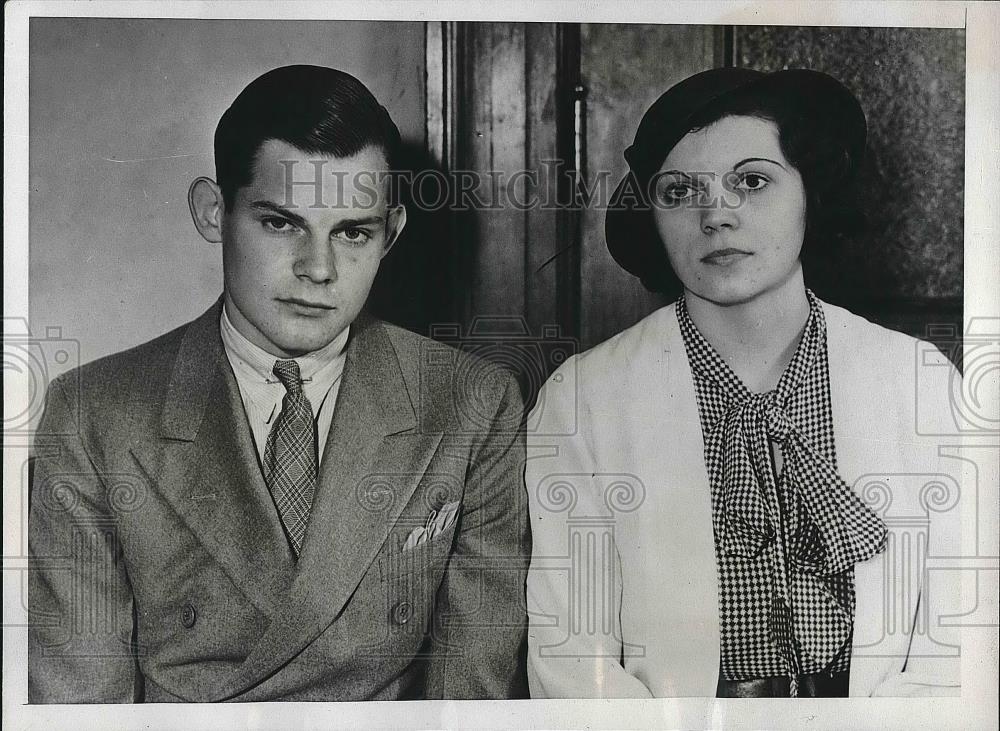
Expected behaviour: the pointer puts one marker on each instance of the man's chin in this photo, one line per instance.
(298, 341)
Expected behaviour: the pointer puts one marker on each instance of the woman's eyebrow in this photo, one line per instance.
(744, 161)
(679, 173)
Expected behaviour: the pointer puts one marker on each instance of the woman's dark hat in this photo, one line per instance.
(816, 97)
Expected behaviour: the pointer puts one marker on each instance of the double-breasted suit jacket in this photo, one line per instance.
(160, 570)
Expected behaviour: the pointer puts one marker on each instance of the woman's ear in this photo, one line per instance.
(395, 221)
(207, 208)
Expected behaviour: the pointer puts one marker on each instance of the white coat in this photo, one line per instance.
(623, 587)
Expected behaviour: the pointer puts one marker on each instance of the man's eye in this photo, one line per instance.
(277, 225)
(354, 235)
(751, 182)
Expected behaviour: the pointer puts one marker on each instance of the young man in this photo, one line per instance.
(285, 499)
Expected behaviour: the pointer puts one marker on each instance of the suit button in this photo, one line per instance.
(188, 616)
(402, 612)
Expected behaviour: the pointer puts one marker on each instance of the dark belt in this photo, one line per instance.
(815, 685)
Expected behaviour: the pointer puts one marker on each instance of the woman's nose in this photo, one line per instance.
(718, 210)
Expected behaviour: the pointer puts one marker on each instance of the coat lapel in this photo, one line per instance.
(373, 461)
(685, 567)
(205, 465)
(865, 446)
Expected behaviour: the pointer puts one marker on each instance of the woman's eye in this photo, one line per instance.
(677, 192)
(277, 225)
(751, 182)
(354, 235)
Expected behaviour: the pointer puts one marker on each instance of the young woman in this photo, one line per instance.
(711, 488)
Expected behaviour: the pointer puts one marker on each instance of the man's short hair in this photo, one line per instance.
(315, 109)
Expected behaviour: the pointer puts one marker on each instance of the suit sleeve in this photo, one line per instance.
(80, 604)
(574, 636)
(479, 633)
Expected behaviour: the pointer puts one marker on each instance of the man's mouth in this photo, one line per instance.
(306, 305)
(722, 257)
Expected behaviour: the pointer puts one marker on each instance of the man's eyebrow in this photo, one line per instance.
(270, 207)
(758, 159)
(354, 222)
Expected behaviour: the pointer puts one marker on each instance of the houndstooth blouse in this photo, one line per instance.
(786, 544)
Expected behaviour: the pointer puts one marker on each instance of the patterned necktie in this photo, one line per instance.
(290, 455)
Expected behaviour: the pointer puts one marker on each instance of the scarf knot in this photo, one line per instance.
(778, 425)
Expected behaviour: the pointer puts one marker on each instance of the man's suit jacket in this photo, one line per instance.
(616, 466)
(160, 570)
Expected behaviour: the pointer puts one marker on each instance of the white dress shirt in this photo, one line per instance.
(262, 392)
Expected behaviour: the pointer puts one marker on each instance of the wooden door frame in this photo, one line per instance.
(551, 266)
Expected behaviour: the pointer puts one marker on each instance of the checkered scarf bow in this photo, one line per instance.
(826, 528)
(808, 517)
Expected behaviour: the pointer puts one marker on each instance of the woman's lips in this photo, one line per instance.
(725, 257)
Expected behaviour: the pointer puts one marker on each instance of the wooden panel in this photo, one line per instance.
(492, 123)
(492, 143)
(541, 149)
(492, 109)
(625, 68)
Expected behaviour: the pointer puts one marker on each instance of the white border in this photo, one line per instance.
(977, 708)
(897, 13)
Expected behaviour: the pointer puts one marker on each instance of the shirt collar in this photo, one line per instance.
(252, 361)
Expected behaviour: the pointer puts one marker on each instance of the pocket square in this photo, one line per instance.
(438, 521)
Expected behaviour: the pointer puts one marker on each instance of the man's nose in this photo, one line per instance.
(317, 261)
(719, 210)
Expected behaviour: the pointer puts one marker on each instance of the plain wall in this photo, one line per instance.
(122, 115)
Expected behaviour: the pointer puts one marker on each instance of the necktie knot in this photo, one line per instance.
(287, 371)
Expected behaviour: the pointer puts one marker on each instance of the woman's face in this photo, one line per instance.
(731, 211)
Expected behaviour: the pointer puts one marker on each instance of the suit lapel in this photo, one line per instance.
(205, 465)
(372, 463)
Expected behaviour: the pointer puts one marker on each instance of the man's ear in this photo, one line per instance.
(395, 221)
(207, 208)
